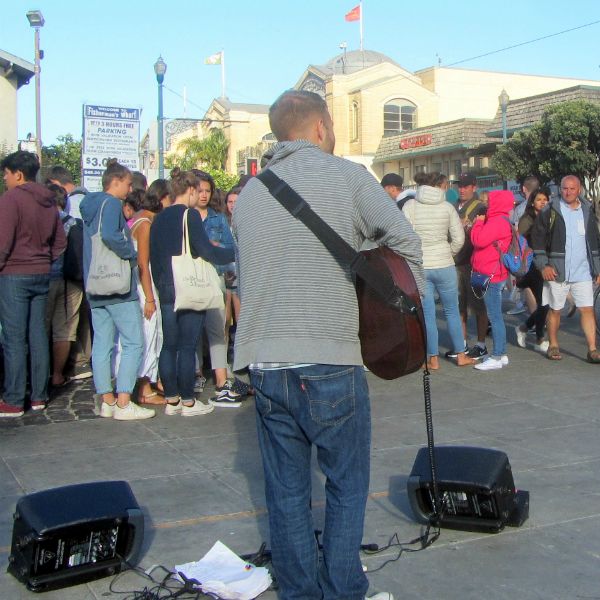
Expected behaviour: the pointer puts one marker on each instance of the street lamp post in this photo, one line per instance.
(503, 100)
(36, 20)
(160, 68)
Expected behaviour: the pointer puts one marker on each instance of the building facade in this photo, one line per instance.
(14, 73)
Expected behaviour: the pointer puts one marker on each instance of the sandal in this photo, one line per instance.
(553, 353)
(593, 356)
(153, 398)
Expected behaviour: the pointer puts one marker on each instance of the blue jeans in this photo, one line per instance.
(446, 283)
(126, 319)
(177, 362)
(493, 304)
(326, 406)
(23, 301)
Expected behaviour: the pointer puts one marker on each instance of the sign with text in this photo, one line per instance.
(108, 132)
(416, 141)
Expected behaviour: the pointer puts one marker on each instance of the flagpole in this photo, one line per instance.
(361, 25)
(223, 74)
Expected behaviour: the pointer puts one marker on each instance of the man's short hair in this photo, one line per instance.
(290, 113)
(26, 162)
(530, 183)
(392, 179)
(60, 174)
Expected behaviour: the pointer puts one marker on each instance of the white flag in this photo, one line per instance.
(213, 59)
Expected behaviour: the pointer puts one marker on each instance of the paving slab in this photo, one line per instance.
(200, 480)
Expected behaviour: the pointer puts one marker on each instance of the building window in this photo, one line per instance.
(436, 167)
(269, 137)
(421, 169)
(354, 122)
(457, 168)
(399, 115)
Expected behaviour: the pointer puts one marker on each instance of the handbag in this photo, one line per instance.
(480, 284)
(108, 274)
(391, 322)
(197, 284)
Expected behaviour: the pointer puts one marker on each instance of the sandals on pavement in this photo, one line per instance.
(553, 353)
(154, 398)
(593, 356)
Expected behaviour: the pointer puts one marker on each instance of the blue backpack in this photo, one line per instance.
(518, 256)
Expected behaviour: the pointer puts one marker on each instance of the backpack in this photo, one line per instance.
(518, 256)
(73, 256)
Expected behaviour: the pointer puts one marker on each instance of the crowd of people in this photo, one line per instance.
(463, 245)
(139, 341)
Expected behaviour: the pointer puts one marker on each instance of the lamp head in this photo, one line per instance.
(35, 18)
(160, 68)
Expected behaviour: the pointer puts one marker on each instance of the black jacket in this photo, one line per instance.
(549, 237)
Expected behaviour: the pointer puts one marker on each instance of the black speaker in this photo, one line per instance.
(475, 486)
(68, 535)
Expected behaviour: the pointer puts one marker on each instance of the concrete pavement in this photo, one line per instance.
(199, 479)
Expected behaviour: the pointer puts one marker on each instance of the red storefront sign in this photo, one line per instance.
(416, 141)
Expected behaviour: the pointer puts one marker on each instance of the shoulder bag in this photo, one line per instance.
(197, 284)
(391, 322)
(109, 274)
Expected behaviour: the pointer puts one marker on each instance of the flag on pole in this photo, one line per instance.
(213, 59)
(354, 14)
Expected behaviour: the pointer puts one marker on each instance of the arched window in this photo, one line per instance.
(354, 122)
(399, 115)
(269, 137)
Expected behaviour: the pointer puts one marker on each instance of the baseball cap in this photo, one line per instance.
(466, 179)
(392, 179)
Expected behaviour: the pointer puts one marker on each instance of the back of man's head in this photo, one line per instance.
(530, 183)
(292, 113)
(392, 179)
(60, 174)
(23, 161)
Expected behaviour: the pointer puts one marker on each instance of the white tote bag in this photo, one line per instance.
(108, 274)
(197, 284)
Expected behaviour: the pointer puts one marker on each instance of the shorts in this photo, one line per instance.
(62, 310)
(466, 297)
(555, 294)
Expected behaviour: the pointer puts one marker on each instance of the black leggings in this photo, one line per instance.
(534, 281)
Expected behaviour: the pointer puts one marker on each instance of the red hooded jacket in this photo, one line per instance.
(485, 234)
(31, 233)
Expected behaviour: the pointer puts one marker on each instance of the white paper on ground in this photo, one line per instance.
(220, 571)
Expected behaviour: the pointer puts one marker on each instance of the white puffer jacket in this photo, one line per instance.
(438, 225)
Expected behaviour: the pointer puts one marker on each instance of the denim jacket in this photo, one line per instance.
(217, 230)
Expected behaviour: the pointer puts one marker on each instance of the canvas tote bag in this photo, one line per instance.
(108, 274)
(197, 284)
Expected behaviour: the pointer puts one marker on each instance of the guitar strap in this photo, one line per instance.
(380, 283)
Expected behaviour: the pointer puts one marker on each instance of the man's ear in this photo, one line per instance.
(320, 131)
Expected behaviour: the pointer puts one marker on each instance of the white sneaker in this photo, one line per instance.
(490, 364)
(173, 409)
(107, 410)
(381, 596)
(543, 347)
(198, 408)
(504, 360)
(521, 336)
(132, 412)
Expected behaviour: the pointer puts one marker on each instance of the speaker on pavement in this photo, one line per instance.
(68, 535)
(475, 487)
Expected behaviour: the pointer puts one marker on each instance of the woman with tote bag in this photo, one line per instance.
(182, 327)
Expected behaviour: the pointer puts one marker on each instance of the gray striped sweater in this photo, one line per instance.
(298, 304)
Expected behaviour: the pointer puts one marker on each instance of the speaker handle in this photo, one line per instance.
(135, 519)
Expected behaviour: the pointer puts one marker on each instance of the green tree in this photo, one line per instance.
(565, 141)
(207, 153)
(66, 153)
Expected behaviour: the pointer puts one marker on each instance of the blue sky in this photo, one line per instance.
(104, 52)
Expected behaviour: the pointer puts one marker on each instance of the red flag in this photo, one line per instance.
(354, 14)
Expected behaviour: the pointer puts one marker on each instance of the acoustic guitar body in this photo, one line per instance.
(392, 341)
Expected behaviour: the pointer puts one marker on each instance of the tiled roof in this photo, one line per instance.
(445, 137)
(525, 112)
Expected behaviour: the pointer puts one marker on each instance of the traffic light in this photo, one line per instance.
(251, 166)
